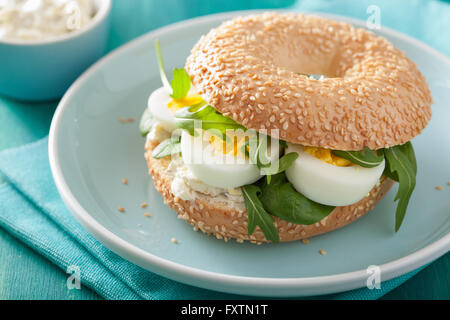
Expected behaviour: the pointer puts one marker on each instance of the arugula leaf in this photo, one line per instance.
(255, 148)
(366, 158)
(180, 84)
(259, 155)
(146, 122)
(162, 70)
(257, 215)
(282, 200)
(280, 166)
(166, 148)
(209, 119)
(402, 166)
(408, 150)
(283, 144)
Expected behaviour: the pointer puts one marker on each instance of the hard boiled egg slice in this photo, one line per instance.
(218, 163)
(330, 180)
(163, 107)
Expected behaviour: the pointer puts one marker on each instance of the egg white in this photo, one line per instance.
(329, 184)
(158, 103)
(217, 169)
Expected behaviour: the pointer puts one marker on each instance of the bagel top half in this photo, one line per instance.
(252, 69)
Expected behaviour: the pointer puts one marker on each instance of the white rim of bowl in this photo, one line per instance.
(234, 284)
(101, 14)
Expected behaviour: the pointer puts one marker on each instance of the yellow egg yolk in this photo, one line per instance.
(187, 101)
(327, 156)
(231, 148)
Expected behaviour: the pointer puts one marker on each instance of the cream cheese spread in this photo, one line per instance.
(43, 19)
(186, 185)
(157, 133)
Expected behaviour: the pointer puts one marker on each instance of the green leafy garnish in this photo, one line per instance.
(180, 84)
(168, 147)
(401, 166)
(206, 117)
(280, 165)
(257, 215)
(255, 148)
(146, 122)
(282, 200)
(162, 70)
(257, 151)
(365, 158)
(408, 150)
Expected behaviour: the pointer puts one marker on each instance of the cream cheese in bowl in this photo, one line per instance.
(43, 19)
(46, 44)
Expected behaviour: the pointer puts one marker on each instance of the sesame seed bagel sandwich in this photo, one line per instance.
(285, 126)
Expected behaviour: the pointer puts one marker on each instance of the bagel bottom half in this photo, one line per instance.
(225, 222)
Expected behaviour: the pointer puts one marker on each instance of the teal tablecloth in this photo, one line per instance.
(25, 274)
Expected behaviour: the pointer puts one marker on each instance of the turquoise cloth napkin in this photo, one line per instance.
(31, 209)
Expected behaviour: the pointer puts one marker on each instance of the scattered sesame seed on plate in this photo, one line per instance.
(131, 120)
(144, 205)
(121, 209)
(147, 215)
(305, 241)
(322, 252)
(125, 181)
(174, 240)
(448, 183)
(122, 120)
(438, 188)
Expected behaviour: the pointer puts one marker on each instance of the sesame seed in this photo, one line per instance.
(305, 241)
(250, 68)
(174, 240)
(124, 181)
(438, 188)
(144, 205)
(121, 209)
(322, 252)
(122, 120)
(147, 215)
(131, 120)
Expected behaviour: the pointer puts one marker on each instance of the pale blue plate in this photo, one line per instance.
(91, 152)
